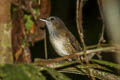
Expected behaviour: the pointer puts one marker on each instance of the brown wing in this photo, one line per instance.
(74, 44)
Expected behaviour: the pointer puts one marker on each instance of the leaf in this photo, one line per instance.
(29, 22)
(110, 64)
(37, 11)
(102, 75)
(20, 72)
(56, 75)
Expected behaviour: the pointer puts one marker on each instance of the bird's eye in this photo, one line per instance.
(52, 19)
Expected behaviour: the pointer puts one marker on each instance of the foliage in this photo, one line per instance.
(35, 72)
(106, 63)
(29, 22)
(98, 69)
(27, 72)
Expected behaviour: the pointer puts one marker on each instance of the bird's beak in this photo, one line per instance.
(44, 20)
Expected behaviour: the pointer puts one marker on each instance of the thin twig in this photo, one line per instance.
(102, 49)
(102, 35)
(45, 44)
(79, 22)
(103, 27)
(102, 75)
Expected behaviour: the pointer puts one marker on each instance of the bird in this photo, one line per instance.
(62, 40)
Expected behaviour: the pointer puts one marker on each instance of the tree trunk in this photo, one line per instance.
(5, 32)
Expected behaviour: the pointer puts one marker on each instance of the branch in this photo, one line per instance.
(79, 21)
(51, 61)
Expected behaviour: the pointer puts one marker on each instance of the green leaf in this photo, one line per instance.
(29, 22)
(37, 11)
(56, 75)
(20, 72)
(110, 64)
(102, 75)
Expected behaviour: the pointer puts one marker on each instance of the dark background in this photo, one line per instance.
(65, 9)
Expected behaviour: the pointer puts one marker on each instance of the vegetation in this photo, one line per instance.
(20, 28)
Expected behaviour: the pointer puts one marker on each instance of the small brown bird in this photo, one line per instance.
(62, 40)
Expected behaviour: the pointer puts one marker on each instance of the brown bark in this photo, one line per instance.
(5, 32)
(22, 54)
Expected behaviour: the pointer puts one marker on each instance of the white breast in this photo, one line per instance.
(58, 44)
